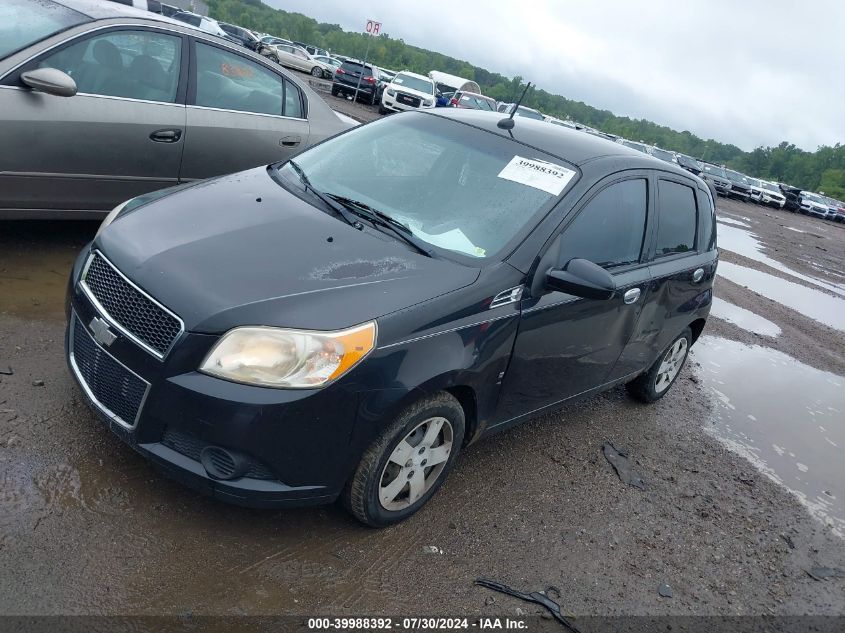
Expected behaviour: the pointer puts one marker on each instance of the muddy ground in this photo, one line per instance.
(87, 526)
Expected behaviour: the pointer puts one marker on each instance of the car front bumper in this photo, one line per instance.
(295, 444)
(390, 103)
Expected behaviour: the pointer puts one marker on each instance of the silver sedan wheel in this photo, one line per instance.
(671, 365)
(415, 464)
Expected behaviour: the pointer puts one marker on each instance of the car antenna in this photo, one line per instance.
(508, 123)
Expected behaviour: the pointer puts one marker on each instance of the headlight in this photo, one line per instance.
(391, 93)
(288, 359)
(112, 215)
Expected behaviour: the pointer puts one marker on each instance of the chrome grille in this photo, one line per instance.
(118, 392)
(139, 316)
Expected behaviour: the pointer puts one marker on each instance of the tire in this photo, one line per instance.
(373, 99)
(316, 71)
(381, 110)
(335, 91)
(377, 494)
(273, 58)
(656, 382)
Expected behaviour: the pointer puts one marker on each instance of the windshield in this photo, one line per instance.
(475, 101)
(25, 22)
(637, 146)
(446, 90)
(753, 182)
(662, 154)
(713, 169)
(414, 83)
(528, 113)
(811, 196)
(769, 186)
(454, 186)
(737, 177)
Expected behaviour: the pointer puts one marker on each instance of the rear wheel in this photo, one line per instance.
(317, 71)
(381, 110)
(655, 383)
(335, 91)
(406, 465)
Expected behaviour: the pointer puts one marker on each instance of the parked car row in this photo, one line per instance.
(395, 91)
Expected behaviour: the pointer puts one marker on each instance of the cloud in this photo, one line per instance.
(751, 73)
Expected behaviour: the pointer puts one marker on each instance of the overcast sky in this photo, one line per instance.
(748, 72)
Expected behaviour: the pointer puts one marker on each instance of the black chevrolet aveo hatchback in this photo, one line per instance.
(343, 324)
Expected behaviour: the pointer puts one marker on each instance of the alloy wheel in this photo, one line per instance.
(415, 464)
(671, 365)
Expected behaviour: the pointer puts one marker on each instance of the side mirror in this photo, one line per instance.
(582, 278)
(50, 81)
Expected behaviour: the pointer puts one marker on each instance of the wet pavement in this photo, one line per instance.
(785, 417)
(742, 458)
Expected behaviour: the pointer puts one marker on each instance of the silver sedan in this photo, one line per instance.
(100, 102)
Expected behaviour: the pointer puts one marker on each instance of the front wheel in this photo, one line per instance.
(406, 465)
(655, 383)
(317, 71)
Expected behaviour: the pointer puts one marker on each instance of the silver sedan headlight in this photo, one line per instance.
(288, 359)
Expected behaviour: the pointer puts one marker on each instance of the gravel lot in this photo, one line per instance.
(88, 527)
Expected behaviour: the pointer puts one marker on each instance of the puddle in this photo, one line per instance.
(809, 302)
(746, 244)
(35, 261)
(728, 220)
(786, 418)
(743, 318)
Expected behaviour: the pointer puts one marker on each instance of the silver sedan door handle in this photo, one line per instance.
(698, 275)
(632, 295)
(290, 141)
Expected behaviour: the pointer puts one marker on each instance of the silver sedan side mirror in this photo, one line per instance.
(50, 81)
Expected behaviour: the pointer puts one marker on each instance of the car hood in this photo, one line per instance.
(410, 91)
(242, 250)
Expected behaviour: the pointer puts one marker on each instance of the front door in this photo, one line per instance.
(567, 345)
(241, 114)
(121, 135)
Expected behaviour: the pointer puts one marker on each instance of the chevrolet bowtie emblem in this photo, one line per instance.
(102, 334)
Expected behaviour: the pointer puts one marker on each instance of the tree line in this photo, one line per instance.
(821, 170)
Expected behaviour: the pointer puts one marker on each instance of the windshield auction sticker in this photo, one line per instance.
(539, 174)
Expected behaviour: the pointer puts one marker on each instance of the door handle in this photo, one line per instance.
(166, 136)
(698, 275)
(632, 295)
(290, 141)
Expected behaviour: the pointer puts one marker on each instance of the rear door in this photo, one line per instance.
(567, 345)
(241, 114)
(682, 266)
(121, 135)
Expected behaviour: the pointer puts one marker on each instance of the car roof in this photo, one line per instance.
(572, 145)
(99, 10)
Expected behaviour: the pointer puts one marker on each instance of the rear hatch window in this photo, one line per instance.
(356, 69)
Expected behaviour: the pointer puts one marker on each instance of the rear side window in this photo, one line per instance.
(229, 81)
(677, 218)
(609, 230)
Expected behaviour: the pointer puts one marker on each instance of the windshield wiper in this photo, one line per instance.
(381, 218)
(336, 206)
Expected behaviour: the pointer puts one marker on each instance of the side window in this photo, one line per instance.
(229, 81)
(610, 229)
(293, 101)
(131, 64)
(677, 218)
